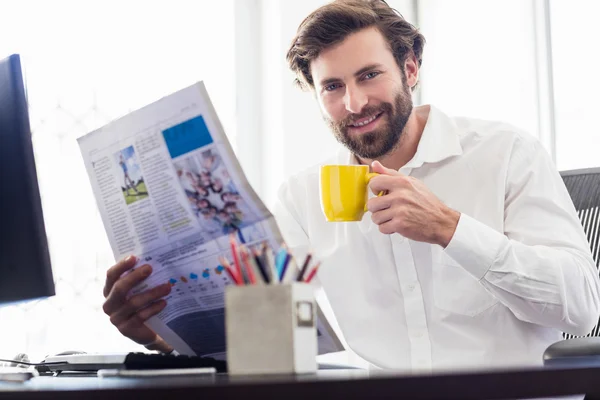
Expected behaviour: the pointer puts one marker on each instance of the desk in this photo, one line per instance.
(332, 384)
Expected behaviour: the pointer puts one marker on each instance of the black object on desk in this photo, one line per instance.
(574, 352)
(132, 361)
(163, 361)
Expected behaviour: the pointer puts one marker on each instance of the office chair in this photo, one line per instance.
(584, 187)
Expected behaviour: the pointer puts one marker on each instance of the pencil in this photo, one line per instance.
(280, 257)
(261, 279)
(267, 263)
(236, 259)
(229, 271)
(261, 267)
(284, 265)
(304, 267)
(247, 265)
(270, 261)
(312, 273)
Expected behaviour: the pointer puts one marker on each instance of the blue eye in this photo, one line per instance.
(371, 75)
(332, 87)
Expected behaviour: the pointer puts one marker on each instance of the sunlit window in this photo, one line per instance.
(479, 59)
(576, 61)
(87, 63)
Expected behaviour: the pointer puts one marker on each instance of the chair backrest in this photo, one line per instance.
(584, 187)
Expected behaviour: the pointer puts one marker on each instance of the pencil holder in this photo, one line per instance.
(271, 329)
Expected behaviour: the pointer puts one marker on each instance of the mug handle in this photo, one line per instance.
(368, 178)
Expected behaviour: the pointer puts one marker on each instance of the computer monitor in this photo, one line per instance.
(25, 271)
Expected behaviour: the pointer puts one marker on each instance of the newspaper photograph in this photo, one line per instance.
(171, 191)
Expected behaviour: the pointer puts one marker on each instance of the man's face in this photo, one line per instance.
(364, 96)
(217, 184)
(208, 161)
(224, 217)
(230, 197)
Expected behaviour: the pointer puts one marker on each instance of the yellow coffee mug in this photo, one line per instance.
(344, 191)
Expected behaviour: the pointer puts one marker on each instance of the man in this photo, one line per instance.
(126, 178)
(473, 257)
(210, 162)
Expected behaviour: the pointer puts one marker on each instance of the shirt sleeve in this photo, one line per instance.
(541, 268)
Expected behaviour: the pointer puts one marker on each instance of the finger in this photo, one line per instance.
(138, 302)
(383, 183)
(131, 325)
(150, 311)
(388, 227)
(116, 271)
(379, 203)
(381, 217)
(376, 166)
(122, 286)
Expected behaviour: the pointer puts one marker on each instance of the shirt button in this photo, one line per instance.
(411, 287)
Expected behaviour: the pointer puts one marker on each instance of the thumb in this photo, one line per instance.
(380, 169)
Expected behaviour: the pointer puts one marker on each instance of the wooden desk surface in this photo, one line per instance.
(332, 384)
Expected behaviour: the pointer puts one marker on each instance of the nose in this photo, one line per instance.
(355, 99)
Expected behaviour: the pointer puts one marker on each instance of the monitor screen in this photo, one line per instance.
(25, 271)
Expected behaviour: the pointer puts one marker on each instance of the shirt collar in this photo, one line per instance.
(439, 141)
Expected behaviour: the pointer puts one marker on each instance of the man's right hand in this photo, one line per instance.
(129, 314)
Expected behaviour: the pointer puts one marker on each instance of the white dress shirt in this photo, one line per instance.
(517, 272)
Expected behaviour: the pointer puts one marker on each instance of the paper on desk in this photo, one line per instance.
(170, 190)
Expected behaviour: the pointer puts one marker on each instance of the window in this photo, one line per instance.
(479, 59)
(576, 64)
(87, 63)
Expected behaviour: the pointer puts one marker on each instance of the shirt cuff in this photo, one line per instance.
(475, 246)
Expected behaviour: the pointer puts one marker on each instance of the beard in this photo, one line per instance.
(379, 142)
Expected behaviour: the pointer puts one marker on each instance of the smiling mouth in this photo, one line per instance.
(365, 121)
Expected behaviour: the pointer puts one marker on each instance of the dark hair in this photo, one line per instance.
(212, 186)
(332, 23)
(229, 204)
(207, 202)
(228, 193)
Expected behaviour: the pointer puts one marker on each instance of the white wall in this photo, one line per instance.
(479, 60)
(294, 134)
(575, 33)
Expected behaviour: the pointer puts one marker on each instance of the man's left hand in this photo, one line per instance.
(409, 208)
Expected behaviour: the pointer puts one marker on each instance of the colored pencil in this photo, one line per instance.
(236, 259)
(304, 267)
(247, 265)
(270, 261)
(312, 273)
(259, 264)
(284, 265)
(229, 271)
(280, 257)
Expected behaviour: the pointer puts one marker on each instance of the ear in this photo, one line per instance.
(411, 69)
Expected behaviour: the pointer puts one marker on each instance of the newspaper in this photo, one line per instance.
(170, 190)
